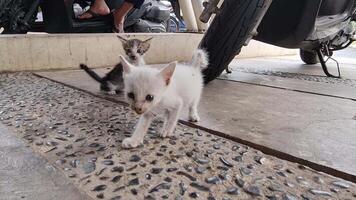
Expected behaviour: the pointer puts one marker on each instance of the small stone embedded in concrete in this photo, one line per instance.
(291, 185)
(74, 163)
(148, 176)
(318, 180)
(156, 170)
(259, 159)
(100, 196)
(118, 169)
(134, 191)
(149, 197)
(194, 195)
(98, 173)
(275, 187)
(334, 190)
(99, 188)
(190, 177)
(116, 178)
(232, 191)
(245, 171)
(212, 180)
(200, 169)
(171, 169)
(116, 198)
(107, 162)
(237, 158)
(88, 167)
(134, 158)
(168, 179)
(235, 147)
(340, 184)
(182, 188)
(301, 180)
(253, 190)
(239, 182)
(200, 186)
(282, 174)
(320, 192)
(216, 146)
(134, 181)
(225, 162)
(202, 161)
(287, 196)
(161, 186)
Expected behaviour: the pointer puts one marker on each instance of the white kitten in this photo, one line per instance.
(165, 92)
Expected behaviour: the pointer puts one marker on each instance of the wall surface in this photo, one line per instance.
(65, 51)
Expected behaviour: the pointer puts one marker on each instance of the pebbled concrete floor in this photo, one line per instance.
(81, 135)
(278, 103)
(26, 175)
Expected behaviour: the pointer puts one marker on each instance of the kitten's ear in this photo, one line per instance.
(148, 40)
(125, 65)
(167, 72)
(146, 44)
(123, 40)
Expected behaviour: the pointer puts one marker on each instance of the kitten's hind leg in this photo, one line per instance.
(171, 121)
(139, 133)
(193, 112)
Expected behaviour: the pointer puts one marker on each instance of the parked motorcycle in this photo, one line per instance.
(317, 28)
(19, 16)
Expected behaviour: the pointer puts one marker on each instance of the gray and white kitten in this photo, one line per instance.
(112, 82)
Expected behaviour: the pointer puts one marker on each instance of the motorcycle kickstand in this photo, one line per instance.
(325, 67)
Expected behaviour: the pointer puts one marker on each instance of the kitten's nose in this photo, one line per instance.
(133, 57)
(138, 110)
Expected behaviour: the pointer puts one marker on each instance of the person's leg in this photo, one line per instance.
(120, 14)
(98, 8)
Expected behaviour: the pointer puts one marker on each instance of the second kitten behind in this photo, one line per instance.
(112, 82)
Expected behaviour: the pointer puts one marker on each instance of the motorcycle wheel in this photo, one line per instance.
(309, 57)
(229, 31)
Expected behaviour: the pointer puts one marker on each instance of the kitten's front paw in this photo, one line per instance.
(194, 118)
(163, 134)
(129, 143)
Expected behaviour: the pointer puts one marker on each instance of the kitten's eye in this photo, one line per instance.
(139, 51)
(149, 97)
(131, 95)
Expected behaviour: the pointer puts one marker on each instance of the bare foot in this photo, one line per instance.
(99, 8)
(119, 16)
(119, 28)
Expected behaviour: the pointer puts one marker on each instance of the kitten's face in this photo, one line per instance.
(144, 86)
(135, 48)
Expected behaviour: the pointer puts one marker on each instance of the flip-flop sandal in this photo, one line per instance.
(92, 13)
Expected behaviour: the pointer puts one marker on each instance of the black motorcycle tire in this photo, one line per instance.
(309, 57)
(228, 32)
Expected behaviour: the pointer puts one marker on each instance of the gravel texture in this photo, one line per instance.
(81, 135)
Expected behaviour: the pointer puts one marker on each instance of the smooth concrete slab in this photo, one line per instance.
(320, 88)
(25, 175)
(293, 64)
(313, 127)
(310, 126)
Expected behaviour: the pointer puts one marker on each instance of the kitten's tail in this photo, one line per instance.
(200, 59)
(91, 73)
